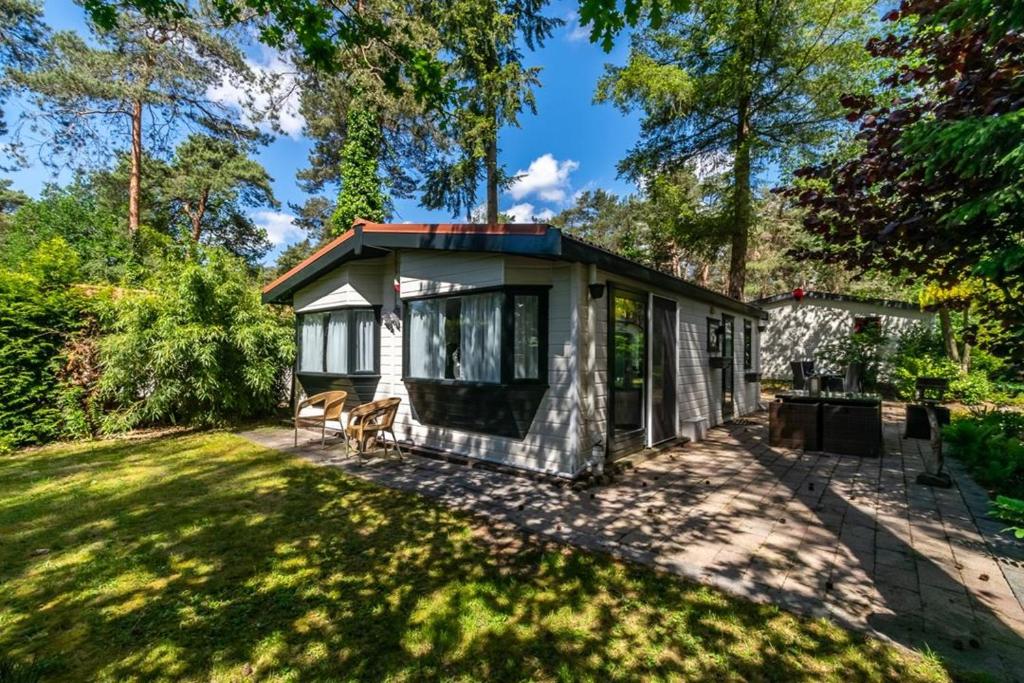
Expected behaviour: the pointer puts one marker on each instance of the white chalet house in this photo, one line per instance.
(518, 344)
(800, 322)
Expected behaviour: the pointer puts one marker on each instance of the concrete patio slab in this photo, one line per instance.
(852, 539)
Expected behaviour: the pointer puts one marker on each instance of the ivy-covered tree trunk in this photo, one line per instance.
(361, 194)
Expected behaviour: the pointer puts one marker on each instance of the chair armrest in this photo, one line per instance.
(311, 401)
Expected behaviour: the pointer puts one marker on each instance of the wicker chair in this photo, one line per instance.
(371, 421)
(320, 411)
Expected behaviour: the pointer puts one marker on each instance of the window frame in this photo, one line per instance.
(748, 345)
(861, 323)
(507, 348)
(713, 345)
(352, 336)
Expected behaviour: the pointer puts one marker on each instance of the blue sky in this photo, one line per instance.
(571, 144)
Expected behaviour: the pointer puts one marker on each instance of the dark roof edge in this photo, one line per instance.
(831, 296)
(575, 249)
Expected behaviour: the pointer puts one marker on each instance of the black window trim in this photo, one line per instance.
(507, 359)
(748, 344)
(375, 372)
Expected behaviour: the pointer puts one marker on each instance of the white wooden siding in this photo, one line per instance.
(562, 435)
(796, 330)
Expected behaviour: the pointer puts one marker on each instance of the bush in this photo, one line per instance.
(990, 445)
(1010, 510)
(196, 347)
(919, 353)
(39, 311)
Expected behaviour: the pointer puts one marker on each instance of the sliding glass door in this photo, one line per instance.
(627, 350)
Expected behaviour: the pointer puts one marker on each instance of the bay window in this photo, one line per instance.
(495, 336)
(339, 342)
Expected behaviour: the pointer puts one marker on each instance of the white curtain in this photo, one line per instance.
(426, 339)
(526, 340)
(365, 323)
(311, 341)
(337, 342)
(480, 346)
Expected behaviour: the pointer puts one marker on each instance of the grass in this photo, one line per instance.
(204, 557)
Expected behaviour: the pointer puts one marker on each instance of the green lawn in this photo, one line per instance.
(205, 557)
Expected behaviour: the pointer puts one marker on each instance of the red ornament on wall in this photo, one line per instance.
(798, 293)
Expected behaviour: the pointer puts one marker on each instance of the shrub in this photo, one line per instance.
(39, 310)
(990, 445)
(919, 353)
(196, 346)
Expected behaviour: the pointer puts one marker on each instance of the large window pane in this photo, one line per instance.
(337, 342)
(365, 326)
(526, 339)
(480, 335)
(426, 339)
(311, 342)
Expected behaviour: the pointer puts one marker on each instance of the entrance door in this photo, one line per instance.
(627, 366)
(728, 367)
(663, 370)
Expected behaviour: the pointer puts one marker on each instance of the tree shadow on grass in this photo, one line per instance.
(206, 557)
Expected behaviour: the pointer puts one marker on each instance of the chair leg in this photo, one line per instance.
(323, 436)
(398, 446)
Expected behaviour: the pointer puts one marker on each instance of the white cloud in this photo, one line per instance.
(574, 32)
(527, 213)
(280, 226)
(547, 177)
(276, 88)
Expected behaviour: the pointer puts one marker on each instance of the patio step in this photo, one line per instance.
(639, 457)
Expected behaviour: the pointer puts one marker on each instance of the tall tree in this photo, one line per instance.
(492, 87)
(935, 192)
(757, 81)
(141, 65)
(212, 181)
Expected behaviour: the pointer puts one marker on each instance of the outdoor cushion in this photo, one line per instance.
(311, 411)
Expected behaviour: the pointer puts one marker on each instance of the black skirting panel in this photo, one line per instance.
(500, 410)
(361, 389)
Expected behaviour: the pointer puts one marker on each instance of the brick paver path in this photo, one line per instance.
(852, 539)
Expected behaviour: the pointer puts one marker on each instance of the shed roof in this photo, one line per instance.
(831, 296)
(369, 240)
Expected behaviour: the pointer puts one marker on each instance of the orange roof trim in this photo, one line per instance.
(310, 259)
(458, 228)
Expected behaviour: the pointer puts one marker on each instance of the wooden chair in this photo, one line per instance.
(371, 421)
(320, 411)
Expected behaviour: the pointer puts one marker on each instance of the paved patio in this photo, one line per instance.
(848, 538)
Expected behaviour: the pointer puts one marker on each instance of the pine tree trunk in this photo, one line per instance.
(492, 178)
(135, 181)
(741, 202)
(197, 217)
(704, 274)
